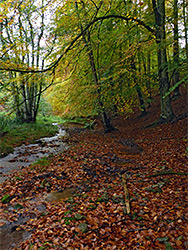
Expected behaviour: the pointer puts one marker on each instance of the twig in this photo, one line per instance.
(167, 172)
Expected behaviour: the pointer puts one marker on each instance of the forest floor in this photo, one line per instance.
(94, 175)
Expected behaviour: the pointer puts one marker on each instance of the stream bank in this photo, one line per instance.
(25, 155)
(22, 157)
(10, 232)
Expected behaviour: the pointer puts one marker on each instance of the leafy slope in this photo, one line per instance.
(95, 217)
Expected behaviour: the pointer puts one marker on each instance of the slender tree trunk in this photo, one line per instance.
(185, 22)
(148, 62)
(16, 97)
(176, 49)
(166, 108)
(148, 72)
(138, 89)
(106, 120)
(87, 40)
(141, 100)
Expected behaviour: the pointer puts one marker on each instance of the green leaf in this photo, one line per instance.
(18, 178)
(134, 215)
(90, 125)
(70, 199)
(6, 198)
(68, 212)
(168, 246)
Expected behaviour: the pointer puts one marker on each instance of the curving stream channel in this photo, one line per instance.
(27, 154)
(21, 157)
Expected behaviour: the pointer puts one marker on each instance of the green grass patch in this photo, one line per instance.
(6, 121)
(5, 148)
(42, 162)
(24, 134)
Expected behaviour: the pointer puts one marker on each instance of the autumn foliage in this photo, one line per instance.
(93, 213)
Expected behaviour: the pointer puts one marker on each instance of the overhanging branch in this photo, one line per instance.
(55, 64)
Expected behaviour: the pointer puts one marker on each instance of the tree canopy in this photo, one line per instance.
(99, 57)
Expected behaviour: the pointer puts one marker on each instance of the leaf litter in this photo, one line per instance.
(94, 173)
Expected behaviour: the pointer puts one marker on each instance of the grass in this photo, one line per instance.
(24, 133)
(44, 162)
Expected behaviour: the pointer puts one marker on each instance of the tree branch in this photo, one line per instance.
(55, 64)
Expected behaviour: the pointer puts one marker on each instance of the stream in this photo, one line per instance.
(24, 156)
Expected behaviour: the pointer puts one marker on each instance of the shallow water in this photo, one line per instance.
(58, 196)
(10, 236)
(25, 155)
(21, 157)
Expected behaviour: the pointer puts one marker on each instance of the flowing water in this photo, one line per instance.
(21, 157)
(27, 154)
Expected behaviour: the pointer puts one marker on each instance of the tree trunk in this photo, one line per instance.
(148, 72)
(87, 40)
(138, 89)
(185, 21)
(106, 120)
(141, 100)
(164, 84)
(176, 49)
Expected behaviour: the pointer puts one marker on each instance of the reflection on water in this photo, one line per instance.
(58, 196)
(10, 236)
(10, 239)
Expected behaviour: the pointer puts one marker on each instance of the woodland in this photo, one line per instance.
(117, 71)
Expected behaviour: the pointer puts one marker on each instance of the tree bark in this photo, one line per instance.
(148, 71)
(176, 49)
(138, 89)
(164, 84)
(185, 21)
